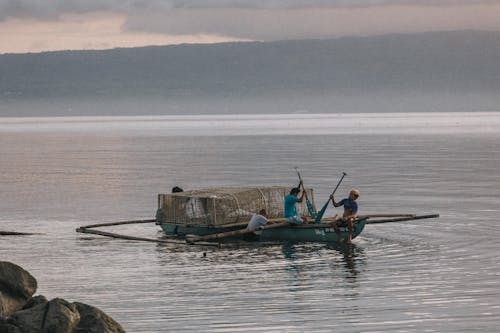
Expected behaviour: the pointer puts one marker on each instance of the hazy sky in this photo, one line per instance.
(41, 25)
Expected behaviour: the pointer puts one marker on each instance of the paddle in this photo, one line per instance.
(323, 209)
(310, 206)
(190, 238)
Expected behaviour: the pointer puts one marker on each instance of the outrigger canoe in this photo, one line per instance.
(205, 215)
(225, 212)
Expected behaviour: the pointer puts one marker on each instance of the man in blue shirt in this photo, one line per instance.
(350, 211)
(291, 214)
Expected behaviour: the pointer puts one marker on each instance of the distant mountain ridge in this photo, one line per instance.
(449, 62)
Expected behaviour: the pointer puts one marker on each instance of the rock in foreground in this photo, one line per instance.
(22, 313)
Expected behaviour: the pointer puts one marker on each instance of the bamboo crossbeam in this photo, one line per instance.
(323, 220)
(270, 221)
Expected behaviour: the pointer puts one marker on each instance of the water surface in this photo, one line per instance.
(429, 275)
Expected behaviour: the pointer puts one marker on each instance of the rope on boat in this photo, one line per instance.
(89, 229)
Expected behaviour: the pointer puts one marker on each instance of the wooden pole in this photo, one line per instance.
(310, 207)
(384, 215)
(191, 239)
(118, 223)
(401, 219)
(275, 220)
(15, 233)
(113, 235)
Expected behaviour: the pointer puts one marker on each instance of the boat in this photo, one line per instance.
(318, 232)
(201, 216)
(227, 211)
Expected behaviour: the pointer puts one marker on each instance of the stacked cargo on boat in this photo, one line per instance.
(223, 207)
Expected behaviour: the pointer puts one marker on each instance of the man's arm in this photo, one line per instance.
(302, 196)
(262, 220)
(336, 204)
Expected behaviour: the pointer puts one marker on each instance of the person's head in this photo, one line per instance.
(177, 189)
(295, 191)
(263, 212)
(354, 194)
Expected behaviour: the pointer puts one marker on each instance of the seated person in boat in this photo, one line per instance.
(177, 189)
(291, 214)
(257, 220)
(350, 211)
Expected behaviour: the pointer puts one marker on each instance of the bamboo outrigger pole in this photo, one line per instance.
(118, 223)
(113, 235)
(369, 216)
(88, 229)
(401, 219)
(16, 233)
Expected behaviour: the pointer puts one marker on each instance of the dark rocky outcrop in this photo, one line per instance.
(56, 316)
(93, 320)
(16, 288)
(22, 313)
(34, 301)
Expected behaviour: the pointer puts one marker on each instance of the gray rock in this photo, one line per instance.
(6, 327)
(16, 288)
(10, 304)
(22, 313)
(34, 301)
(93, 320)
(56, 316)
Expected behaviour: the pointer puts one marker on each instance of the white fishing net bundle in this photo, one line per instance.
(224, 206)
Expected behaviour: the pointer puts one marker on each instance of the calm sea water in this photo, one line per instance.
(440, 275)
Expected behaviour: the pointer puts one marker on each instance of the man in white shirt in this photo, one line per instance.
(257, 220)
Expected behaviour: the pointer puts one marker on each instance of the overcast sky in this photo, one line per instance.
(42, 25)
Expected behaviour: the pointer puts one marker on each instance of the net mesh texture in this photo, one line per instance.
(218, 207)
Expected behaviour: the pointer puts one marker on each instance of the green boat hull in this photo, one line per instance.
(298, 233)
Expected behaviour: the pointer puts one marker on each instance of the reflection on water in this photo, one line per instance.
(352, 256)
(350, 253)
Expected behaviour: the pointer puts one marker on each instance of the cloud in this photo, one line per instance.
(43, 9)
(268, 19)
(316, 22)
(83, 32)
